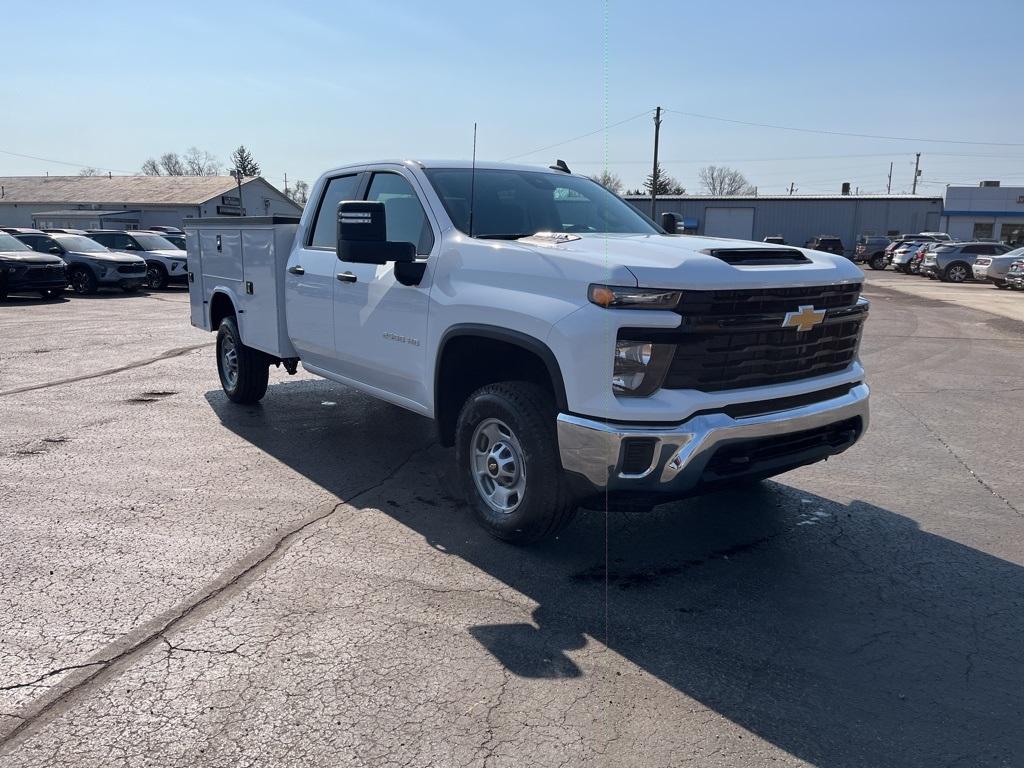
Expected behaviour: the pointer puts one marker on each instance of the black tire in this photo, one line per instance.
(247, 382)
(1000, 284)
(83, 281)
(545, 506)
(878, 261)
(52, 293)
(156, 275)
(957, 272)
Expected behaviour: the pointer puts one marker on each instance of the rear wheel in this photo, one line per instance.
(506, 450)
(244, 371)
(83, 281)
(956, 272)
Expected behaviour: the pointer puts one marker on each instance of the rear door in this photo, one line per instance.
(380, 324)
(310, 277)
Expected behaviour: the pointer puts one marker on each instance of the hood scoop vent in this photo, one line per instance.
(758, 257)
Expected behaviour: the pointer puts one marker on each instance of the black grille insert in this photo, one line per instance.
(637, 455)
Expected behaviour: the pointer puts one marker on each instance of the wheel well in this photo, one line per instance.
(468, 362)
(220, 307)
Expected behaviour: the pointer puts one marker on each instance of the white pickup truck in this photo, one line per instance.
(570, 350)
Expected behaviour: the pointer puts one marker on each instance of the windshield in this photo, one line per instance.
(509, 204)
(154, 243)
(79, 243)
(8, 243)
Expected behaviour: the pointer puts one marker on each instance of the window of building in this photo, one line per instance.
(1012, 234)
(983, 230)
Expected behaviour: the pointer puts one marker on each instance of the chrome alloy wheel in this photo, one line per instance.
(957, 273)
(229, 361)
(498, 468)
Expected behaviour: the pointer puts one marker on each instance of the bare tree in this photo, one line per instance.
(666, 184)
(299, 193)
(199, 162)
(244, 161)
(151, 167)
(89, 171)
(609, 181)
(720, 180)
(172, 164)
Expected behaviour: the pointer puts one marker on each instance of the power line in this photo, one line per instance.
(843, 133)
(581, 136)
(63, 162)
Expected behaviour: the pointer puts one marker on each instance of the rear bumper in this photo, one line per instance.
(711, 449)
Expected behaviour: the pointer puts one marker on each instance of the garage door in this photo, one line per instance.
(729, 222)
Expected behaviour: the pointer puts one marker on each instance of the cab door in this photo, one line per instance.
(380, 324)
(310, 277)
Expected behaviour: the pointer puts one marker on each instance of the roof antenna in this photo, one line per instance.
(472, 184)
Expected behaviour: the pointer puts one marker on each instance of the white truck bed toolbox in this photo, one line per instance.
(244, 258)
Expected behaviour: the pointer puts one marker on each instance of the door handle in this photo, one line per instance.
(346, 277)
(297, 270)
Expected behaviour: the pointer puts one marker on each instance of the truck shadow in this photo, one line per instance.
(843, 634)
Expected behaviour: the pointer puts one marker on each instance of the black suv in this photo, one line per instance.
(22, 270)
(826, 243)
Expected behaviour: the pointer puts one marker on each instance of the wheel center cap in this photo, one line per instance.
(492, 467)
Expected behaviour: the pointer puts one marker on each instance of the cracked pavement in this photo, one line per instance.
(186, 582)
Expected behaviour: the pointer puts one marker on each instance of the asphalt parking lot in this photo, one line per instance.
(187, 582)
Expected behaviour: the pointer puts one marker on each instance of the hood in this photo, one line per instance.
(118, 257)
(174, 253)
(30, 257)
(667, 261)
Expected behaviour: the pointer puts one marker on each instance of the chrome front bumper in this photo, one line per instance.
(594, 449)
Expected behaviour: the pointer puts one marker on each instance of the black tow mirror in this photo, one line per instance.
(362, 235)
(670, 223)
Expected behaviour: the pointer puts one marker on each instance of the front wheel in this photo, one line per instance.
(506, 449)
(156, 276)
(244, 371)
(878, 262)
(83, 281)
(957, 272)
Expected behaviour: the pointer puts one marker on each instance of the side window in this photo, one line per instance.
(325, 230)
(406, 220)
(32, 241)
(101, 239)
(969, 250)
(126, 243)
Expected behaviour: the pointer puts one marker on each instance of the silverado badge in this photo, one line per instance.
(806, 318)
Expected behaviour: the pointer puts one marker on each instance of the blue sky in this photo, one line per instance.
(308, 85)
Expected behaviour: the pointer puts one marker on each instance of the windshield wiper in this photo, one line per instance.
(505, 237)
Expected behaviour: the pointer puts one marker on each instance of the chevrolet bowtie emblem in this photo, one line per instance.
(804, 319)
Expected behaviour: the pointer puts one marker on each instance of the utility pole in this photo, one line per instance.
(888, 186)
(286, 185)
(792, 187)
(654, 173)
(917, 172)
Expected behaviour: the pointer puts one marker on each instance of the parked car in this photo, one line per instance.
(64, 231)
(994, 268)
(870, 249)
(775, 240)
(914, 267)
(167, 230)
(827, 243)
(1015, 276)
(904, 255)
(165, 264)
(922, 237)
(178, 241)
(541, 363)
(953, 262)
(90, 265)
(23, 270)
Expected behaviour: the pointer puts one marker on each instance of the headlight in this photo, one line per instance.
(640, 367)
(619, 297)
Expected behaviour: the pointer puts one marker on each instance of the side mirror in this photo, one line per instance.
(362, 235)
(56, 249)
(670, 223)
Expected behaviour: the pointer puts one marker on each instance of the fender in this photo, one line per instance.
(228, 294)
(516, 338)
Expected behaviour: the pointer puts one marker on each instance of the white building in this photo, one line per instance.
(986, 212)
(133, 202)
